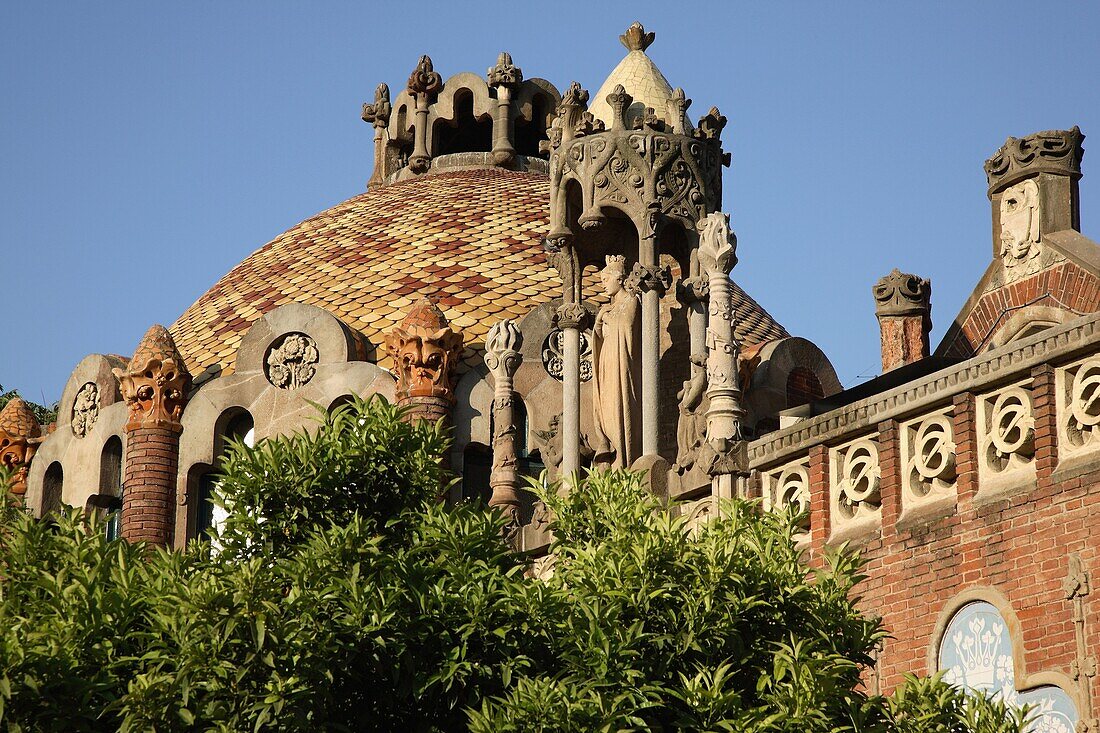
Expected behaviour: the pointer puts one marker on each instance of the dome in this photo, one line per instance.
(470, 238)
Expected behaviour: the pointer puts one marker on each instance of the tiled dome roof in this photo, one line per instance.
(471, 238)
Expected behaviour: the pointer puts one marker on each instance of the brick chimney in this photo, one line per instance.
(904, 311)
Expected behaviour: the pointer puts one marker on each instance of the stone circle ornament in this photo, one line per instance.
(1012, 426)
(933, 454)
(859, 485)
(792, 489)
(553, 359)
(1085, 402)
(292, 361)
(85, 409)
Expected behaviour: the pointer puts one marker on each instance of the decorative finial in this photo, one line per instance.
(901, 293)
(635, 38)
(424, 79)
(155, 382)
(620, 102)
(379, 112)
(1050, 151)
(505, 72)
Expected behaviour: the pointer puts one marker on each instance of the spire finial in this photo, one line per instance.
(635, 38)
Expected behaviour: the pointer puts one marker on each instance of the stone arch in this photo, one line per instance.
(978, 640)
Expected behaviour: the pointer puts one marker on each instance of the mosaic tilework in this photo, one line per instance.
(472, 239)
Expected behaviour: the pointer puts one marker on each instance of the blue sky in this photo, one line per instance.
(145, 148)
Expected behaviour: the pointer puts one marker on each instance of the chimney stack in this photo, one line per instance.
(904, 311)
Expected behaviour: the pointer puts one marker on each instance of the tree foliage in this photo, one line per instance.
(44, 415)
(346, 597)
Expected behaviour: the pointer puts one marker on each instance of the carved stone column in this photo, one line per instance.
(572, 318)
(20, 435)
(504, 77)
(652, 281)
(424, 84)
(904, 313)
(502, 356)
(725, 446)
(155, 385)
(425, 351)
(378, 114)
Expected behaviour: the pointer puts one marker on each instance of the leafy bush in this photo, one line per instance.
(345, 597)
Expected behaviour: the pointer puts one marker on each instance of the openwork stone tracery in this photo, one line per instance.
(1079, 408)
(855, 477)
(928, 448)
(788, 488)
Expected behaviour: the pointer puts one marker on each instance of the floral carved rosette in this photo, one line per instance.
(292, 362)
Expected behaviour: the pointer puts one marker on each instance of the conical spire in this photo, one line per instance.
(639, 76)
(17, 420)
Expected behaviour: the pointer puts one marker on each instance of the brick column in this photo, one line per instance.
(819, 501)
(966, 447)
(890, 480)
(155, 385)
(1044, 401)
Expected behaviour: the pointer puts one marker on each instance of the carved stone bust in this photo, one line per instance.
(1020, 224)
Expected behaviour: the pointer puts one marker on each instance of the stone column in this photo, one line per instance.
(502, 356)
(652, 280)
(904, 312)
(379, 115)
(571, 319)
(424, 84)
(425, 351)
(155, 385)
(725, 445)
(504, 77)
(20, 435)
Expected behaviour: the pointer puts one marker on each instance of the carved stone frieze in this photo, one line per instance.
(1050, 151)
(854, 482)
(155, 382)
(1079, 408)
(85, 409)
(1059, 343)
(291, 361)
(788, 487)
(20, 435)
(425, 350)
(553, 358)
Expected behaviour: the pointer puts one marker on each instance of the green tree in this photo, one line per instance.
(346, 597)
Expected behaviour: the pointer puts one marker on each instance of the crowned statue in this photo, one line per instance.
(616, 344)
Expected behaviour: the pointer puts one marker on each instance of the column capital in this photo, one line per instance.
(572, 315)
(155, 382)
(424, 78)
(694, 289)
(644, 278)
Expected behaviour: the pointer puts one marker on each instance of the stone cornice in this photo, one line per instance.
(999, 365)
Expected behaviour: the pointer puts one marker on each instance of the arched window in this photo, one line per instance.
(52, 485)
(240, 426)
(529, 460)
(477, 466)
(976, 652)
(110, 486)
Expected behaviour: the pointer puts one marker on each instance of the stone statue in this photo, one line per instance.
(616, 344)
(692, 425)
(1020, 248)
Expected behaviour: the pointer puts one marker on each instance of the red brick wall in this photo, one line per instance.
(1018, 546)
(1064, 285)
(148, 506)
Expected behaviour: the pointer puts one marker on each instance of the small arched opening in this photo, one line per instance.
(464, 133)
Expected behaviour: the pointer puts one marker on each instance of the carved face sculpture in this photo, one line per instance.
(156, 394)
(15, 455)
(425, 365)
(1020, 222)
(612, 276)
